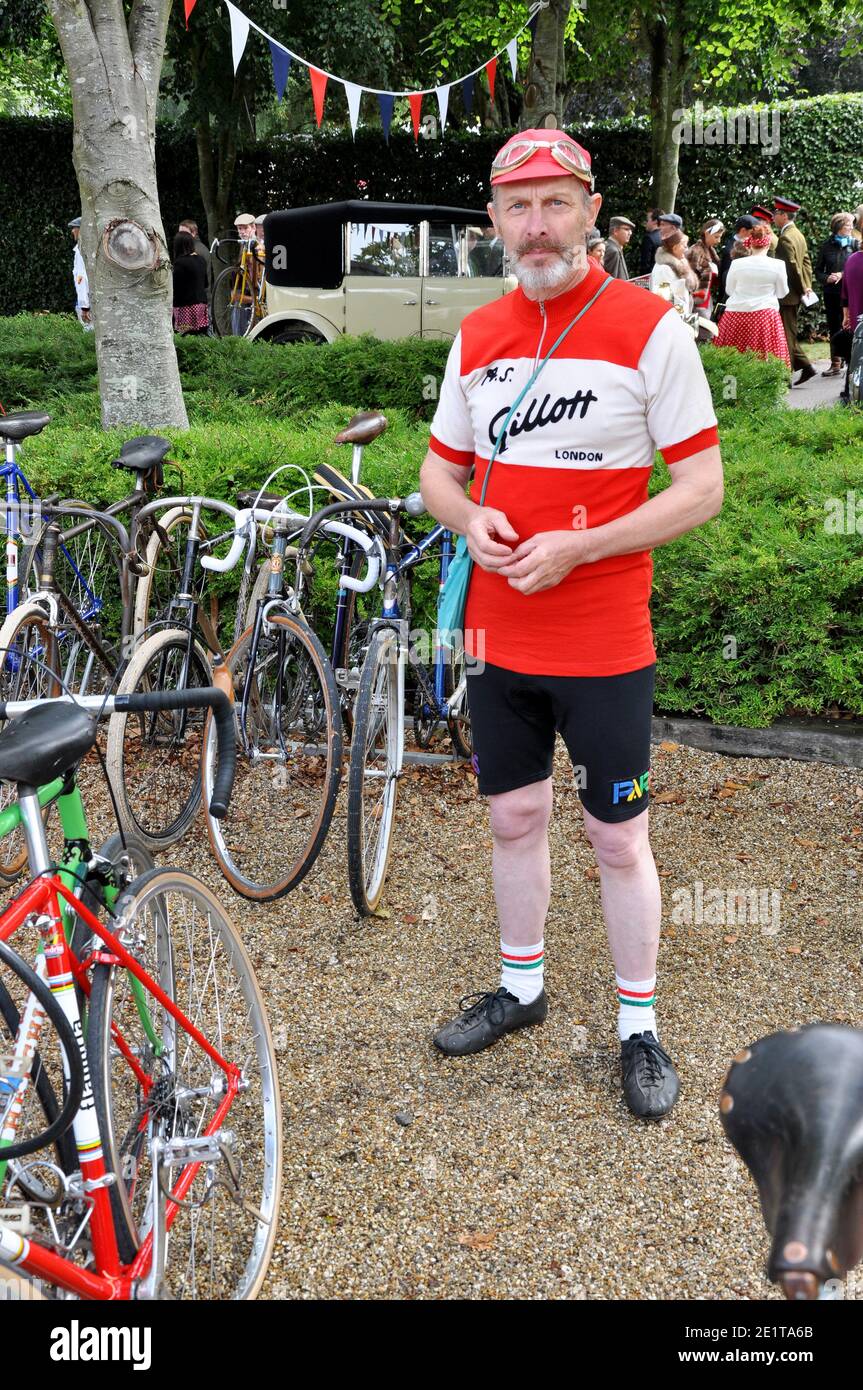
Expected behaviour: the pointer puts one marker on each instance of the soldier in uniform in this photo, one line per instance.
(79, 277)
(792, 249)
(765, 215)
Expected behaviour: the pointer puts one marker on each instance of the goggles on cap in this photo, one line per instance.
(564, 152)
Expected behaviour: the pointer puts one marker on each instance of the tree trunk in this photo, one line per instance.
(545, 88)
(668, 67)
(114, 76)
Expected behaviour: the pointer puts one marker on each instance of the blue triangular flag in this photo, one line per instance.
(281, 67)
(467, 92)
(532, 23)
(386, 101)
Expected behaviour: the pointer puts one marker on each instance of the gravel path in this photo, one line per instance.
(519, 1173)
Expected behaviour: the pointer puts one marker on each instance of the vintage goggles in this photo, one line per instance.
(564, 152)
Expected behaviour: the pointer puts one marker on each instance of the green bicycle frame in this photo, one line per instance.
(72, 873)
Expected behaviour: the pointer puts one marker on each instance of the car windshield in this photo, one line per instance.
(387, 249)
(463, 251)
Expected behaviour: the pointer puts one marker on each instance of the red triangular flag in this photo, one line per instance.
(491, 69)
(416, 101)
(319, 87)
(188, 6)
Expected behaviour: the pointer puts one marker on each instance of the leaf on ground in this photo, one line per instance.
(591, 873)
(410, 919)
(821, 921)
(730, 940)
(668, 747)
(744, 857)
(669, 798)
(807, 844)
(478, 1240)
(793, 950)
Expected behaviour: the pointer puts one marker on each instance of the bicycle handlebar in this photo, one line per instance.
(413, 504)
(154, 702)
(246, 517)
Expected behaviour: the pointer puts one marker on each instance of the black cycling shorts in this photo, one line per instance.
(605, 722)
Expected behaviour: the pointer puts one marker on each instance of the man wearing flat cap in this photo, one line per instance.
(792, 249)
(670, 222)
(620, 231)
(556, 398)
(79, 277)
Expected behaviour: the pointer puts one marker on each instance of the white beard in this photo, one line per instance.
(544, 277)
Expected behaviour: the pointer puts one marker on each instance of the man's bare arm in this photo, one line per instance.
(489, 536)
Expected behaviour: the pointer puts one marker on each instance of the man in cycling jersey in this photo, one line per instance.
(557, 628)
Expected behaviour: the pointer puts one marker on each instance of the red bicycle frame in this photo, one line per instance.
(111, 1279)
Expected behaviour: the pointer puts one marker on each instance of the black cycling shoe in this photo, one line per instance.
(650, 1083)
(486, 1018)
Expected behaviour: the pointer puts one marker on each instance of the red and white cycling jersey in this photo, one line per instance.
(626, 381)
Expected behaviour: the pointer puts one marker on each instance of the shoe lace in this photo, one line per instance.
(646, 1057)
(483, 1001)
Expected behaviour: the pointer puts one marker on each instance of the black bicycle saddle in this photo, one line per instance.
(141, 454)
(23, 423)
(792, 1106)
(46, 742)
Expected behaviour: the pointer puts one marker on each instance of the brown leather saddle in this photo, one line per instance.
(792, 1106)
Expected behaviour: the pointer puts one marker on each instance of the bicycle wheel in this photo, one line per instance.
(87, 568)
(458, 716)
(165, 557)
(154, 760)
(360, 611)
(223, 1231)
(289, 760)
(373, 778)
(28, 664)
(229, 315)
(38, 1112)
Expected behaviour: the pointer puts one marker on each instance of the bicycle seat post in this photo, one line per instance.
(34, 830)
(356, 463)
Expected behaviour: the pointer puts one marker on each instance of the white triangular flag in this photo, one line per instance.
(239, 33)
(512, 50)
(353, 93)
(442, 94)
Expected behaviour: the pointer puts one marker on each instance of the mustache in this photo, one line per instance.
(543, 244)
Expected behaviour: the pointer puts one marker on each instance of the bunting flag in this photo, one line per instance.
(353, 94)
(491, 69)
(239, 33)
(319, 88)
(467, 92)
(188, 6)
(415, 101)
(386, 101)
(442, 94)
(281, 67)
(282, 57)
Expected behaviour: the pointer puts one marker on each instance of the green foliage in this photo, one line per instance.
(819, 162)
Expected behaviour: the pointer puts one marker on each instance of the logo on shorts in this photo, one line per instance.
(631, 789)
(474, 762)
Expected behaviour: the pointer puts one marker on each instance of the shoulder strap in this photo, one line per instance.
(533, 376)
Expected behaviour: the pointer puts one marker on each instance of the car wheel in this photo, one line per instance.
(296, 333)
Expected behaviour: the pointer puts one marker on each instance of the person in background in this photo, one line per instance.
(756, 282)
(190, 313)
(650, 241)
(244, 226)
(832, 256)
(79, 279)
(669, 223)
(792, 249)
(765, 215)
(736, 245)
(596, 247)
(704, 261)
(475, 248)
(671, 268)
(852, 312)
(187, 225)
(620, 231)
(858, 226)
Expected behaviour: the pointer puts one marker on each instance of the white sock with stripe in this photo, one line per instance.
(636, 999)
(521, 970)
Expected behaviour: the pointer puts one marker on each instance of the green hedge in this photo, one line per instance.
(757, 613)
(819, 162)
(44, 358)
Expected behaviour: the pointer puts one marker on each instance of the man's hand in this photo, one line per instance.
(545, 559)
(846, 317)
(485, 536)
(85, 315)
(834, 277)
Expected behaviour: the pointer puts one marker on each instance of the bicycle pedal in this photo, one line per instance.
(18, 1218)
(207, 1148)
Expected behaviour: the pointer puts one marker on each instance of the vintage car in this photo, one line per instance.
(396, 270)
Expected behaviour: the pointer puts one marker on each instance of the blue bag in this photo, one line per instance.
(453, 596)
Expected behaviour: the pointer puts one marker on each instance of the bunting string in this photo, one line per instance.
(282, 57)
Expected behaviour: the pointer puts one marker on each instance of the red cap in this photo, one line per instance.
(542, 164)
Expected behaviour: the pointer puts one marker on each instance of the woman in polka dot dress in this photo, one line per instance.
(755, 284)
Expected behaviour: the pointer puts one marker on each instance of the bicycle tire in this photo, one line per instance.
(164, 905)
(225, 322)
(310, 777)
(360, 611)
(458, 722)
(148, 805)
(35, 677)
(376, 710)
(65, 1151)
(69, 1043)
(156, 588)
